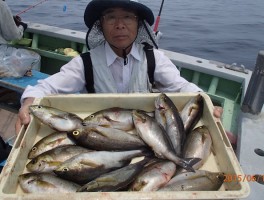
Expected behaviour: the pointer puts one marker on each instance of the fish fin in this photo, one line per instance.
(89, 163)
(213, 150)
(55, 163)
(53, 143)
(63, 116)
(189, 162)
(110, 120)
(46, 184)
(106, 179)
(192, 161)
(72, 115)
(145, 151)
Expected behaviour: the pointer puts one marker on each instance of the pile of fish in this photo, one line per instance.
(119, 149)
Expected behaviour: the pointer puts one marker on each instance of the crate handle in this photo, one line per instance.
(20, 137)
(223, 134)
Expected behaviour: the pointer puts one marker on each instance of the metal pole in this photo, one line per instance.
(254, 97)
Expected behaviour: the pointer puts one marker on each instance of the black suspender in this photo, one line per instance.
(88, 67)
(88, 72)
(150, 61)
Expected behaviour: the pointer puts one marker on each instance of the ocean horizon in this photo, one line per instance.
(228, 31)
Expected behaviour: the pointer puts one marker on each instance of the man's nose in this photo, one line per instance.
(119, 23)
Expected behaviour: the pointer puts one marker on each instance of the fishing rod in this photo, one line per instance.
(158, 18)
(30, 7)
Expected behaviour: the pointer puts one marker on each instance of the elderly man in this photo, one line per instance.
(120, 58)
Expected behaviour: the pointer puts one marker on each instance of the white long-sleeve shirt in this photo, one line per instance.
(71, 78)
(8, 28)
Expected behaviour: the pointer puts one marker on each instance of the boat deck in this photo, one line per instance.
(252, 163)
(19, 84)
(9, 104)
(11, 89)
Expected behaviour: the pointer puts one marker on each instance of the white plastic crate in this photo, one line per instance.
(222, 160)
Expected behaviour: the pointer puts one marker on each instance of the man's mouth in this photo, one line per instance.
(120, 36)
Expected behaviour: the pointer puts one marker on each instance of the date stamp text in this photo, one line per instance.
(243, 178)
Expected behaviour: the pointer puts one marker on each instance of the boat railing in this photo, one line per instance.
(226, 87)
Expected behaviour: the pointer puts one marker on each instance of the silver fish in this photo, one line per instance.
(87, 166)
(50, 160)
(45, 183)
(107, 139)
(115, 117)
(119, 118)
(154, 176)
(53, 140)
(156, 138)
(58, 120)
(192, 112)
(115, 180)
(166, 110)
(201, 180)
(198, 144)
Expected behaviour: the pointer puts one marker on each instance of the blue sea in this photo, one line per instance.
(228, 31)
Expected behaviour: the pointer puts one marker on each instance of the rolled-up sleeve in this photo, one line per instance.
(167, 76)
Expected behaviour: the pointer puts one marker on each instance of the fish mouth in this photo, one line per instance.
(159, 106)
(221, 177)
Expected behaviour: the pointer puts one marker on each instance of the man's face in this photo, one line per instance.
(119, 27)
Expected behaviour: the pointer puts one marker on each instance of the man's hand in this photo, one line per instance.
(23, 117)
(218, 111)
(17, 20)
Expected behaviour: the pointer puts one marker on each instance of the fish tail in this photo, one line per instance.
(187, 163)
(146, 152)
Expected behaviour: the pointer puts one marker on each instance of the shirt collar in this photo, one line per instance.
(111, 56)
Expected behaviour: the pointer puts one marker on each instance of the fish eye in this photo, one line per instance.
(65, 169)
(91, 116)
(34, 149)
(34, 161)
(39, 106)
(76, 133)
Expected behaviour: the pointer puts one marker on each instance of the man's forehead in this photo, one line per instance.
(118, 9)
